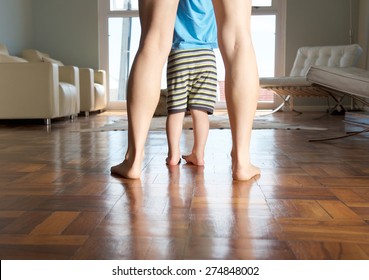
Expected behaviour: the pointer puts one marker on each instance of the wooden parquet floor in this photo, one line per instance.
(58, 199)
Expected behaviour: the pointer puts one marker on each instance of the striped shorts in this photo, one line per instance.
(191, 80)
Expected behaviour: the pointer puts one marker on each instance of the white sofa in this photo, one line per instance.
(37, 90)
(93, 91)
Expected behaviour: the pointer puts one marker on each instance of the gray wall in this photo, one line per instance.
(315, 23)
(16, 24)
(363, 31)
(67, 30)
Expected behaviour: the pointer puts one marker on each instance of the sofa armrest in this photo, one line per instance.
(87, 100)
(86, 78)
(69, 74)
(100, 77)
(29, 90)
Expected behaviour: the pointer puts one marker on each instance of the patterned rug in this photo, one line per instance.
(216, 122)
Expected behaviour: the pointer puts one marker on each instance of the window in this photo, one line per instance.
(120, 32)
(123, 44)
(123, 5)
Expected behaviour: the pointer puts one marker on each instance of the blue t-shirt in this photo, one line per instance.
(195, 25)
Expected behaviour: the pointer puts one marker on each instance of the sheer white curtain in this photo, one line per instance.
(125, 49)
(121, 14)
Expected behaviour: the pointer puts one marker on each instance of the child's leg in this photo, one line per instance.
(157, 23)
(200, 121)
(174, 130)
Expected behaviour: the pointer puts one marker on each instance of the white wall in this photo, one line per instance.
(363, 31)
(15, 24)
(315, 23)
(67, 30)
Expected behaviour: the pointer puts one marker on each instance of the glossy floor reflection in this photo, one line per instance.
(58, 199)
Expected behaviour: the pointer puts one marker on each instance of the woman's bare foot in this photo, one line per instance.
(126, 170)
(245, 173)
(243, 170)
(174, 158)
(193, 159)
(172, 161)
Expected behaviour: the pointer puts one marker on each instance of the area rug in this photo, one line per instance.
(216, 122)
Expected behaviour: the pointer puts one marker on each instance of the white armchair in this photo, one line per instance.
(296, 84)
(93, 91)
(37, 90)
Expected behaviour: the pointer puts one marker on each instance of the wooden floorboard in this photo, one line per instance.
(58, 199)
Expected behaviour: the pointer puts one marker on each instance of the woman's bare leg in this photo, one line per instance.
(174, 129)
(200, 121)
(241, 80)
(157, 23)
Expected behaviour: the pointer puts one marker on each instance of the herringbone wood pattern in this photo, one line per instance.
(59, 201)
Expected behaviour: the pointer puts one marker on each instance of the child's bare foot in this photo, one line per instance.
(245, 173)
(126, 170)
(193, 159)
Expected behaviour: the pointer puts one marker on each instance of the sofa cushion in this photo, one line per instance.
(37, 56)
(50, 60)
(100, 101)
(3, 49)
(8, 58)
(68, 99)
(32, 55)
(331, 56)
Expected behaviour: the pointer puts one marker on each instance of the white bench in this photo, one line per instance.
(341, 82)
(348, 80)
